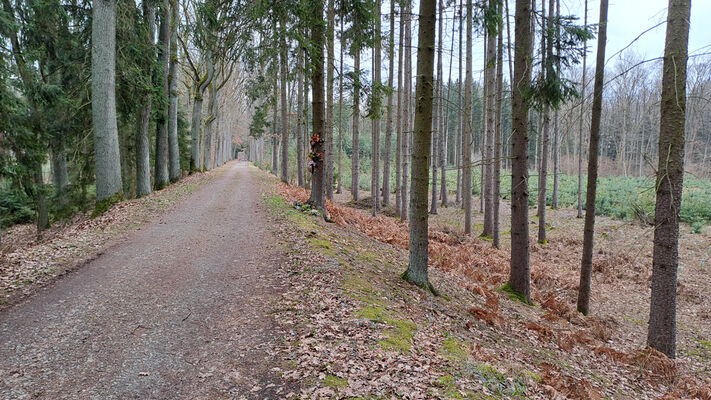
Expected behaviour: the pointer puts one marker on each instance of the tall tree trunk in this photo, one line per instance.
(543, 174)
(201, 83)
(173, 148)
(275, 137)
(103, 100)
(209, 139)
(299, 119)
(340, 119)
(283, 60)
(588, 235)
(143, 163)
(317, 198)
(490, 76)
(581, 136)
(467, 129)
(520, 279)
(556, 133)
(375, 131)
(460, 120)
(444, 112)
(407, 86)
(389, 117)
(661, 334)
(355, 156)
(498, 132)
(330, 66)
(161, 177)
(399, 118)
(417, 268)
(438, 133)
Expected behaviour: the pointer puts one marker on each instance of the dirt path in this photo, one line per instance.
(178, 310)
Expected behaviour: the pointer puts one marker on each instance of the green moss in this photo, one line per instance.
(704, 343)
(105, 205)
(399, 333)
(634, 320)
(334, 382)
(454, 349)
(498, 382)
(513, 294)
(536, 378)
(359, 289)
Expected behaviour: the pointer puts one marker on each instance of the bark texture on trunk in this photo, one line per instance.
(389, 117)
(580, 121)
(407, 86)
(299, 120)
(103, 100)
(589, 230)
(143, 162)
(399, 119)
(496, 236)
(661, 334)
(330, 65)
(375, 131)
(417, 268)
(520, 279)
(488, 166)
(467, 129)
(283, 60)
(173, 148)
(317, 198)
(355, 157)
(160, 174)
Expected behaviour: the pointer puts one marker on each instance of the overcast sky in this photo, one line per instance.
(627, 19)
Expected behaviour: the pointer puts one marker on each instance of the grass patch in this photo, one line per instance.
(634, 320)
(334, 382)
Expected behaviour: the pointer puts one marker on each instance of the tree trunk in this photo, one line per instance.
(355, 156)
(143, 163)
(389, 117)
(588, 235)
(460, 121)
(340, 119)
(375, 132)
(498, 134)
(173, 148)
(407, 86)
(417, 268)
(399, 118)
(330, 65)
(545, 138)
(444, 117)
(103, 100)
(467, 129)
(520, 279)
(161, 177)
(284, 59)
(299, 119)
(317, 198)
(208, 139)
(661, 334)
(556, 133)
(580, 122)
(490, 74)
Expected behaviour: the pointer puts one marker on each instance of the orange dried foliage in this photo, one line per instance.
(568, 386)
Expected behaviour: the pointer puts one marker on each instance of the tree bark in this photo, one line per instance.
(389, 117)
(299, 119)
(417, 268)
(547, 49)
(339, 189)
(143, 163)
(498, 132)
(589, 232)
(330, 66)
(467, 129)
(407, 86)
(399, 118)
(173, 148)
(581, 137)
(520, 279)
(355, 156)
(283, 60)
(375, 131)
(661, 334)
(460, 120)
(160, 175)
(490, 77)
(103, 100)
(317, 198)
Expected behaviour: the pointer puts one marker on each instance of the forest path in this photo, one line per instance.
(180, 309)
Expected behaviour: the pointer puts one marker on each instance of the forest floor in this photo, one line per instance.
(178, 307)
(227, 290)
(372, 335)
